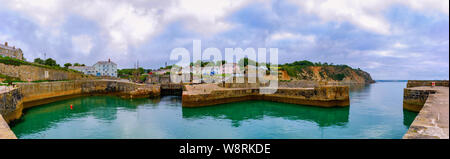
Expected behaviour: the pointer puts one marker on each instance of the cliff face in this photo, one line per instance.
(330, 73)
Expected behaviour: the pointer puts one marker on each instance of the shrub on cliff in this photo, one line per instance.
(305, 70)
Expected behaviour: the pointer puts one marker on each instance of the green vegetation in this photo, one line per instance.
(9, 79)
(125, 73)
(142, 78)
(39, 81)
(51, 62)
(77, 64)
(38, 63)
(201, 63)
(302, 70)
(338, 77)
(67, 65)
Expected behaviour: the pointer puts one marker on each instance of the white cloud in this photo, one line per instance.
(399, 45)
(124, 24)
(290, 36)
(373, 65)
(82, 44)
(367, 14)
(385, 53)
(17, 43)
(204, 16)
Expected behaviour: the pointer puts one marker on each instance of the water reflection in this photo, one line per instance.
(99, 107)
(376, 112)
(256, 110)
(408, 117)
(359, 87)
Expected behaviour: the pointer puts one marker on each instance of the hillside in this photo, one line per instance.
(306, 70)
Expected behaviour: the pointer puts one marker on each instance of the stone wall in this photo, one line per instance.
(324, 96)
(5, 131)
(301, 84)
(417, 83)
(432, 121)
(33, 94)
(10, 101)
(414, 99)
(33, 73)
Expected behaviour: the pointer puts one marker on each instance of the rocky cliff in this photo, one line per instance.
(323, 72)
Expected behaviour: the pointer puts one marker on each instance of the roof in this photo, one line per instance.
(105, 62)
(81, 67)
(8, 47)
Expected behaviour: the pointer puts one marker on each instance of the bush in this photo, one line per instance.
(17, 62)
(338, 77)
(9, 79)
(11, 61)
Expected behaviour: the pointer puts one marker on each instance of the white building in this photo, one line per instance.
(88, 70)
(106, 68)
(101, 68)
(230, 68)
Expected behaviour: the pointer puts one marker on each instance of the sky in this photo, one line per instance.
(395, 39)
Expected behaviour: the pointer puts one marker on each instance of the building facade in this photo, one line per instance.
(87, 70)
(101, 68)
(106, 68)
(8, 51)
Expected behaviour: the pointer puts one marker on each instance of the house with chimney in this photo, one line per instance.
(101, 68)
(10, 51)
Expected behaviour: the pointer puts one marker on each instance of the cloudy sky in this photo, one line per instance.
(395, 39)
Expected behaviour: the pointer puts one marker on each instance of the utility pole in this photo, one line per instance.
(45, 54)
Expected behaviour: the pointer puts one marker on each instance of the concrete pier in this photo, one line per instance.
(5, 131)
(211, 94)
(433, 119)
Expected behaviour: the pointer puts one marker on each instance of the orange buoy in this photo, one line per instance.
(71, 107)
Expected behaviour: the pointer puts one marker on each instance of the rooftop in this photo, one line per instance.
(8, 47)
(105, 62)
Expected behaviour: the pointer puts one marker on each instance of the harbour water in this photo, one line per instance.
(375, 112)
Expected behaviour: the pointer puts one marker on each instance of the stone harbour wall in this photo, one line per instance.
(33, 73)
(432, 122)
(10, 100)
(418, 83)
(414, 99)
(33, 94)
(5, 131)
(433, 107)
(324, 96)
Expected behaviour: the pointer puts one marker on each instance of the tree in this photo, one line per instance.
(50, 62)
(39, 61)
(221, 62)
(66, 65)
(245, 61)
(76, 64)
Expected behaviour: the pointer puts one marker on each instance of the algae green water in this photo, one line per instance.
(375, 112)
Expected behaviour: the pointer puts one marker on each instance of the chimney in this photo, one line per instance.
(109, 60)
(6, 43)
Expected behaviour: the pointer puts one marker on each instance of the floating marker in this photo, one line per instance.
(71, 107)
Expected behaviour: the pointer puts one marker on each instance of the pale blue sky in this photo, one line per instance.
(389, 39)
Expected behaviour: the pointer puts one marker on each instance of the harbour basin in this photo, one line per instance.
(375, 112)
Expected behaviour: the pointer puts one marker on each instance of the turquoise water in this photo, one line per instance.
(375, 112)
